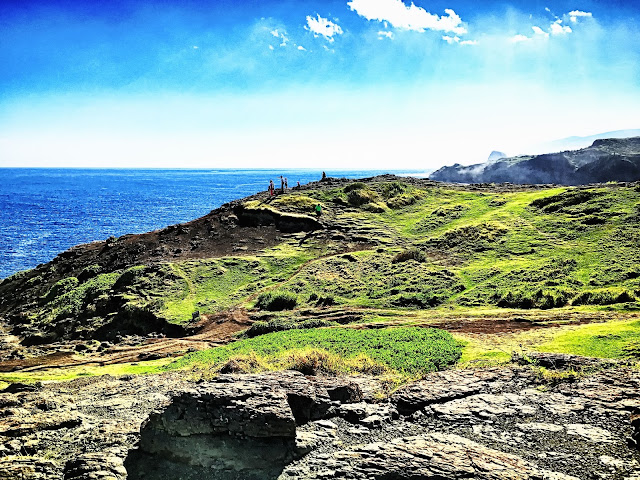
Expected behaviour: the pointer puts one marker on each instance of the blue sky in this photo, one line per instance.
(341, 84)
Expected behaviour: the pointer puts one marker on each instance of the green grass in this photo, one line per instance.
(423, 248)
(522, 249)
(69, 373)
(68, 298)
(372, 279)
(617, 339)
(607, 340)
(409, 351)
(217, 284)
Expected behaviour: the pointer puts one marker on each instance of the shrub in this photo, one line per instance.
(365, 364)
(313, 361)
(325, 301)
(393, 189)
(375, 207)
(61, 287)
(418, 301)
(243, 364)
(410, 254)
(402, 200)
(606, 296)
(130, 276)
(89, 272)
(362, 197)
(540, 298)
(354, 186)
(560, 202)
(279, 325)
(277, 301)
(276, 325)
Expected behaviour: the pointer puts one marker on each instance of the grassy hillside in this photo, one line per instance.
(389, 251)
(441, 248)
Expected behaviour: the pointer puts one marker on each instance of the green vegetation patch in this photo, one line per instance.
(69, 373)
(69, 298)
(604, 340)
(474, 238)
(605, 296)
(372, 279)
(296, 201)
(362, 196)
(410, 351)
(262, 327)
(277, 301)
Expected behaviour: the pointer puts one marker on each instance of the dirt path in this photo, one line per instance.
(215, 330)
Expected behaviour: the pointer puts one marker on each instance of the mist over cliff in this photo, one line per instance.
(605, 160)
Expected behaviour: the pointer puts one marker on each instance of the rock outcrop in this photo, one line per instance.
(605, 160)
(500, 423)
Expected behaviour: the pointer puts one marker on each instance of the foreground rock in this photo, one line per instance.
(487, 424)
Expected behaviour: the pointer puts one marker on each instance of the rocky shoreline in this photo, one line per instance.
(496, 423)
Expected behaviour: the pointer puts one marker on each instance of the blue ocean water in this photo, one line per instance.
(46, 211)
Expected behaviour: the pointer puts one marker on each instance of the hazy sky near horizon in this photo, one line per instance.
(357, 84)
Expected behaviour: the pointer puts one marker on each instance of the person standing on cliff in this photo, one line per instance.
(318, 210)
(281, 184)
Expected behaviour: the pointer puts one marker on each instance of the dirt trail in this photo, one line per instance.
(215, 329)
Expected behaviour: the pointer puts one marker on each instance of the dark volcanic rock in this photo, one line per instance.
(426, 457)
(561, 361)
(449, 385)
(486, 424)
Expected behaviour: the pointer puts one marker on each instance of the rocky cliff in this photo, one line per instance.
(605, 160)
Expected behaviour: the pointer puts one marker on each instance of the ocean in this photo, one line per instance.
(47, 211)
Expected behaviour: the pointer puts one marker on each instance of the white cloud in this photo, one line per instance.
(300, 47)
(573, 15)
(538, 31)
(399, 15)
(281, 35)
(383, 34)
(324, 27)
(195, 47)
(558, 29)
(519, 38)
(451, 40)
(270, 47)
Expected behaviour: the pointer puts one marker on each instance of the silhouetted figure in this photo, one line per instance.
(324, 176)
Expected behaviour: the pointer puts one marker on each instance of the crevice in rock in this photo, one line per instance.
(219, 433)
